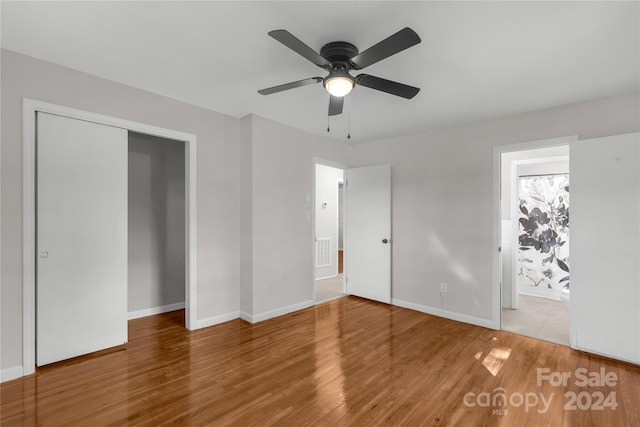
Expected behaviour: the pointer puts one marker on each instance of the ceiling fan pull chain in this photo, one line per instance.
(349, 119)
(328, 129)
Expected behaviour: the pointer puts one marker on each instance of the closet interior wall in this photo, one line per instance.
(156, 223)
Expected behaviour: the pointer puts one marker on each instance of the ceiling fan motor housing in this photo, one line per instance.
(339, 54)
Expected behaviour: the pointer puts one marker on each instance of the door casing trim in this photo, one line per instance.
(343, 167)
(29, 109)
(496, 214)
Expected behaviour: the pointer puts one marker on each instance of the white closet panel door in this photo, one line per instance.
(368, 232)
(605, 246)
(81, 237)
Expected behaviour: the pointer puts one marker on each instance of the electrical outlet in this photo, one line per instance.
(263, 288)
(443, 288)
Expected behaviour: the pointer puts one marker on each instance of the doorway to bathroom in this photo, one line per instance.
(535, 204)
(329, 232)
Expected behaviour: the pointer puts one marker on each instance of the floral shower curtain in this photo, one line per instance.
(543, 253)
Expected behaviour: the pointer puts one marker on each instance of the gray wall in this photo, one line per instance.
(156, 222)
(218, 205)
(442, 198)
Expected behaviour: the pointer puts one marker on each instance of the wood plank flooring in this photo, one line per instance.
(346, 362)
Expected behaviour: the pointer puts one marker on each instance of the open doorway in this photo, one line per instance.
(329, 233)
(535, 206)
(156, 225)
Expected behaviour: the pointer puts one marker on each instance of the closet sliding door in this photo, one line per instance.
(605, 246)
(81, 237)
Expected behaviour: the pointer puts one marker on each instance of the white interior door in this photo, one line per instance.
(81, 237)
(368, 232)
(605, 246)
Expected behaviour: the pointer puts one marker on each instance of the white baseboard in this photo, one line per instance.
(540, 296)
(444, 313)
(329, 299)
(331, 276)
(277, 312)
(155, 310)
(11, 373)
(214, 320)
(245, 316)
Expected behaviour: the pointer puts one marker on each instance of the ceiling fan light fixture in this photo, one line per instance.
(339, 83)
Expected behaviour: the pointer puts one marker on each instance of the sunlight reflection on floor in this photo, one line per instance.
(496, 359)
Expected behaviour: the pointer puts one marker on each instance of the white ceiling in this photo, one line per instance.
(477, 60)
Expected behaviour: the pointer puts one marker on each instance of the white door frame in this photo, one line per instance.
(29, 109)
(497, 213)
(343, 167)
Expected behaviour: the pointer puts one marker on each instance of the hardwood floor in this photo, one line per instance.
(347, 362)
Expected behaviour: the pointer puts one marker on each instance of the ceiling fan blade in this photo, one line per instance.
(293, 43)
(335, 105)
(398, 42)
(287, 86)
(388, 86)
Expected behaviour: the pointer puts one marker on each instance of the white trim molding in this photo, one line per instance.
(255, 318)
(29, 109)
(330, 299)
(155, 310)
(215, 320)
(451, 315)
(11, 374)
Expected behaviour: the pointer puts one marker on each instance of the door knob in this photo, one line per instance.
(385, 241)
(44, 254)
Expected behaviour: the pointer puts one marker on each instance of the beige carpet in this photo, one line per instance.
(540, 318)
(328, 289)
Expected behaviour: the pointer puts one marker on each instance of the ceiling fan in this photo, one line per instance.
(338, 58)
